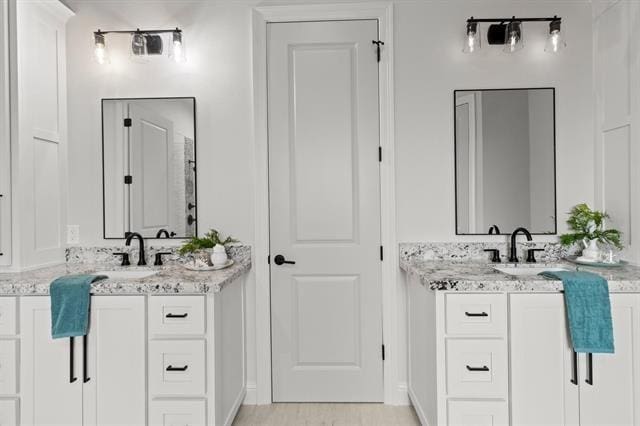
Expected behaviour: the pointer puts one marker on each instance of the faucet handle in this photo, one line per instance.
(158, 260)
(531, 254)
(125, 258)
(495, 257)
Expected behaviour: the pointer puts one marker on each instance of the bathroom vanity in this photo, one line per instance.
(166, 347)
(491, 348)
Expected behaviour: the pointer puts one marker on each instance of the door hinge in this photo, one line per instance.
(269, 259)
(381, 253)
(128, 180)
(378, 43)
(383, 354)
(127, 122)
(380, 154)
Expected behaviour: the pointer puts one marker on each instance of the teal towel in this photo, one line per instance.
(586, 297)
(70, 305)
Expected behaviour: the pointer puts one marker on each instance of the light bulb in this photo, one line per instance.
(472, 41)
(513, 40)
(178, 52)
(555, 42)
(100, 51)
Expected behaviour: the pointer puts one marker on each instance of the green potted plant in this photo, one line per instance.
(589, 229)
(200, 248)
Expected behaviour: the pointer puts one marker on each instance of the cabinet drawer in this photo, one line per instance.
(476, 368)
(172, 413)
(477, 314)
(177, 367)
(8, 412)
(477, 413)
(8, 316)
(8, 367)
(177, 315)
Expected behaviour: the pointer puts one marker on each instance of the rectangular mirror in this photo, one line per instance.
(149, 167)
(505, 160)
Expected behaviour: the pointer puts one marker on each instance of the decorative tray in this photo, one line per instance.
(192, 267)
(578, 261)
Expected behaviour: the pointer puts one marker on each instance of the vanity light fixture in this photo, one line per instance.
(513, 37)
(143, 43)
(555, 41)
(472, 41)
(509, 33)
(100, 50)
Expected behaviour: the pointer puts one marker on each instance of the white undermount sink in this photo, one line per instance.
(519, 271)
(133, 274)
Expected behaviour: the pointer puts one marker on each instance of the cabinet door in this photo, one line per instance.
(5, 152)
(542, 362)
(49, 396)
(114, 372)
(612, 396)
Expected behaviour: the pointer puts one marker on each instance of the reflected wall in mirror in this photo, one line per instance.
(505, 160)
(149, 167)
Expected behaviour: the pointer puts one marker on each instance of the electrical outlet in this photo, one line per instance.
(73, 234)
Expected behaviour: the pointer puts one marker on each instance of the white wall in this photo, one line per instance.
(429, 66)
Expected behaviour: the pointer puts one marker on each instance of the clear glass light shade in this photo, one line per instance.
(138, 44)
(555, 41)
(100, 52)
(472, 39)
(513, 37)
(178, 51)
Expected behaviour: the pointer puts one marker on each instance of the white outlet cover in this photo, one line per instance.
(73, 234)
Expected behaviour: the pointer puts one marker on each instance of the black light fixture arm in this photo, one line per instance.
(138, 31)
(513, 18)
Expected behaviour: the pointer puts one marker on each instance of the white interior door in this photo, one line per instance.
(151, 168)
(324, 182)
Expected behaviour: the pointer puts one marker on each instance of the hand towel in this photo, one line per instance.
(586, 297)
(70, 305)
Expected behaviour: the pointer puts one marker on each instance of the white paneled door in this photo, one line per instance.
(324, 183)
(151, 148)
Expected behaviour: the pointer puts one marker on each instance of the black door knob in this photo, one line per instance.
(280, 260)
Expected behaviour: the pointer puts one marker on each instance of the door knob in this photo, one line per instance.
(279, 260)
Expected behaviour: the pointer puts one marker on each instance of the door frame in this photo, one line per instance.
(395, 393)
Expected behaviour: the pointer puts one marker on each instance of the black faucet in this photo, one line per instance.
(513, 256)
(163, 232)
(494, 228)
(141, 259)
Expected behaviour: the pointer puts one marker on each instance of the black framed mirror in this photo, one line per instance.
(149, 167)
(505, 160)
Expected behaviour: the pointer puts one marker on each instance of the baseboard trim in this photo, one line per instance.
(251, 395)
(236, 406)
(402, 397)
(417, 407)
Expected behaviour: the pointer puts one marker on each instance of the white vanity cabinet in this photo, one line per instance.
(483, 358)
(156, 360)
(100, 380)
(551, 385)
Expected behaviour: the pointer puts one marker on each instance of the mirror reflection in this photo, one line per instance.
(505, 161)
(149, 167)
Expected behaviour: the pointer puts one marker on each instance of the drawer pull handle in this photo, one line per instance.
(483, 368)
(176, 315)
(172, 368)
(476, 314)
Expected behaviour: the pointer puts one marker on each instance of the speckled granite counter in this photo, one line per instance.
(480, 276)
(171, 278)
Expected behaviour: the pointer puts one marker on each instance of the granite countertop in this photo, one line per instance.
(171, 279)
(480, 276)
